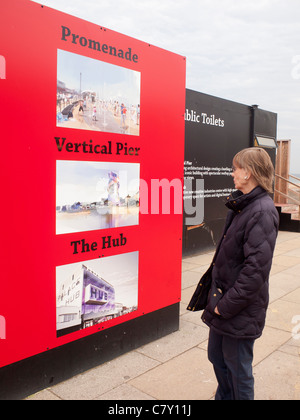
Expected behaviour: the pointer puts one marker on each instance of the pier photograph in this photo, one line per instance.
(96, 195)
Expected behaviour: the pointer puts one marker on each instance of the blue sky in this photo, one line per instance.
(245, 51)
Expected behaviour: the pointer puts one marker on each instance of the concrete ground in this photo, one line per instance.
(176, 367)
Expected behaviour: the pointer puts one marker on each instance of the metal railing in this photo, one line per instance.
(295, 177)
(290, 195)
(297, 202)
(288, 181)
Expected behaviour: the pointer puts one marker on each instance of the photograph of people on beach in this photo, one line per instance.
(96, 195)
(95, 291)
(98, 96)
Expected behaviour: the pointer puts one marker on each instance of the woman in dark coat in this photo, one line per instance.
(239, 296)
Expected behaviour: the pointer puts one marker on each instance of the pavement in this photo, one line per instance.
(176, 366)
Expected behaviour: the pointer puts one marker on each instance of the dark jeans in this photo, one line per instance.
(232, 361)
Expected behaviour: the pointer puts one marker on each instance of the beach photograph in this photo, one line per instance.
(95, 95)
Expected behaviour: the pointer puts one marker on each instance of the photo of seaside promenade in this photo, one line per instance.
(96, 195)
(98, 96)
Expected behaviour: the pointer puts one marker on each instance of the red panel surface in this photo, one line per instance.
(31, 249)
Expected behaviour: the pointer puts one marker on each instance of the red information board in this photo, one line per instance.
(92, 150)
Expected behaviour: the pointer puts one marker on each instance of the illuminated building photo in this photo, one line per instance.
(95, 291)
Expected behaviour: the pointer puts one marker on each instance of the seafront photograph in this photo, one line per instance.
(96, 195)
(98, 96)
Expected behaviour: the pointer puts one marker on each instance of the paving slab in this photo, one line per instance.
(202, 259)
(200, 269)
(45, 395)
(186, 377)
(287, 246)
(195, 318)
(125, 392)
(281, 314)
(293, 253)
(190, 278)
(286, 260)
(292, 347)
(277, 269)
(278, 377)
(287, 236)
(189, 335)
(270, 341)
(295, 271)
(293, 296)
(186, 295)
(187, 266)
(104, 378)
(282, 284)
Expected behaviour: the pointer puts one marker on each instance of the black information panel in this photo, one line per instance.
(216, 129)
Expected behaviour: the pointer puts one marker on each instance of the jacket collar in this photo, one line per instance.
(237, 201)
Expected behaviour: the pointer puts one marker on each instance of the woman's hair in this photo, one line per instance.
(259, 163)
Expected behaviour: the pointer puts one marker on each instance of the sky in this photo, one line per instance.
(244, 51)
(88, 181)
(117, 83)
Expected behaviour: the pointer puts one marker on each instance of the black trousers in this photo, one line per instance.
(232, 361)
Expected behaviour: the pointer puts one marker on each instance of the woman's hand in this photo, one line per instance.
(216, 311)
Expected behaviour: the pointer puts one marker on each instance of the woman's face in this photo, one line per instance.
(240, 178)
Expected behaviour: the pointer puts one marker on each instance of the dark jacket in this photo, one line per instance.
(242, 264)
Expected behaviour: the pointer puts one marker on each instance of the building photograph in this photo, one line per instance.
(96, 291)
